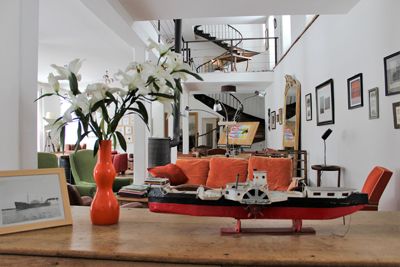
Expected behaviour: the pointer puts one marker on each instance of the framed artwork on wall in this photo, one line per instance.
(280, 112)
(392, 74)
(373, 99)
(325, 104)
(33, 199)
(273, 120)
(308, 107)
(396, 115)
(269, 119)
(355, 91)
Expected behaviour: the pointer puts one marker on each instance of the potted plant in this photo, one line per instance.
(99, 108)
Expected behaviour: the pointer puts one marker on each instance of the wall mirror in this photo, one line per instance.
(291, 114)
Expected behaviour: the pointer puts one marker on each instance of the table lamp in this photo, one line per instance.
(324, 137)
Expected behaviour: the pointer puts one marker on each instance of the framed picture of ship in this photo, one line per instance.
(33, 199)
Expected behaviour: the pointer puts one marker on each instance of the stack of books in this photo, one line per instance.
(134, 191)
(156, 181)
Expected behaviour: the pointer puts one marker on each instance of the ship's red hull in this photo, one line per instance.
(255, 212)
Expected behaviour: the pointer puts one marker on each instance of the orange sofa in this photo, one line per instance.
(217, 171)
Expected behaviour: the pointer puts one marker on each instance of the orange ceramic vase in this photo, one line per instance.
(105, 208)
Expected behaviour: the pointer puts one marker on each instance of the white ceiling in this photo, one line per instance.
(174, 9)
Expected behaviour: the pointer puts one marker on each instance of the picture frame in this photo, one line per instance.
(392, 74)
(241, 134)
(273, 120)
(269, 119)
(396, 115)
(373, 101)
(355, 98)
(280, 112)
(128, 130)
(325, 104)
(33, 199)
(308, 101)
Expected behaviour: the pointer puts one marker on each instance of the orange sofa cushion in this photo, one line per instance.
(279, 171)
(196, 170)
(170, 171)
(225, 170)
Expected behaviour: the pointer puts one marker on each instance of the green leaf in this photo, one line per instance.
(121, 140)
(73, 84)
(62, 138)
(79, 136)
(96, 148)
(111, 96)
(198, 77)
(178, 85)
(114, 142)
(45, 95)
(104, 112)
(143, 112)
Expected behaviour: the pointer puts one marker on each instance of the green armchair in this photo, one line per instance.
(82, 165)
(47, 160)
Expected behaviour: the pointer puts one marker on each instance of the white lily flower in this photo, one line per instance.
(53, 81)
(67, 117)
(131, 66)
(133, 81)
(73, 67)
(97, 91)
(163, 49)
(62, 72)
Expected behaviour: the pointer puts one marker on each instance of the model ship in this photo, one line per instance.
(253, 200)
(33, 204)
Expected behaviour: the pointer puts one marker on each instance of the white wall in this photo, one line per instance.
(18, 68)
(338, 47)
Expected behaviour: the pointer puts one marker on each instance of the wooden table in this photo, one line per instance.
(146, 238)
(326, 168)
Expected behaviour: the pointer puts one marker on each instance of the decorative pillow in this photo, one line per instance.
(225, 170)
(170, 171)
(279, 171)
(196, 170)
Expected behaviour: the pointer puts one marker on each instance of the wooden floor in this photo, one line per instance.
(148, 239)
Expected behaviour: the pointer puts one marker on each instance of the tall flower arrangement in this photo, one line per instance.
(99, 108)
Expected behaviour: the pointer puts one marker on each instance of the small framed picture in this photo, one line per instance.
(129, 138)
(355, 91)
(33, 199)
(269, 119)
(396, 115)
(325, 104)
(308, 107)
(373, 99)
(273, 120)
(128, 130)
(392, 74)
(280, 112)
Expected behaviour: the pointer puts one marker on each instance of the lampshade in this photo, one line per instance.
(228, 89)
(217, 107)
(326, 134)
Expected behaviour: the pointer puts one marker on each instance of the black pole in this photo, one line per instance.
(178, 47)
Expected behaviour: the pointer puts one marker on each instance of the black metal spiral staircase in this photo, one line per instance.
(228, 38)
(235, 113)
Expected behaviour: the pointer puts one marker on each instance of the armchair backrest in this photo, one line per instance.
(82, 165)
(47, 160)
(376, 183)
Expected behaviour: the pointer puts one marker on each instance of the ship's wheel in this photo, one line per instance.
(255, 196)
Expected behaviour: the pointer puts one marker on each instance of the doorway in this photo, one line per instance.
(209, 125)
